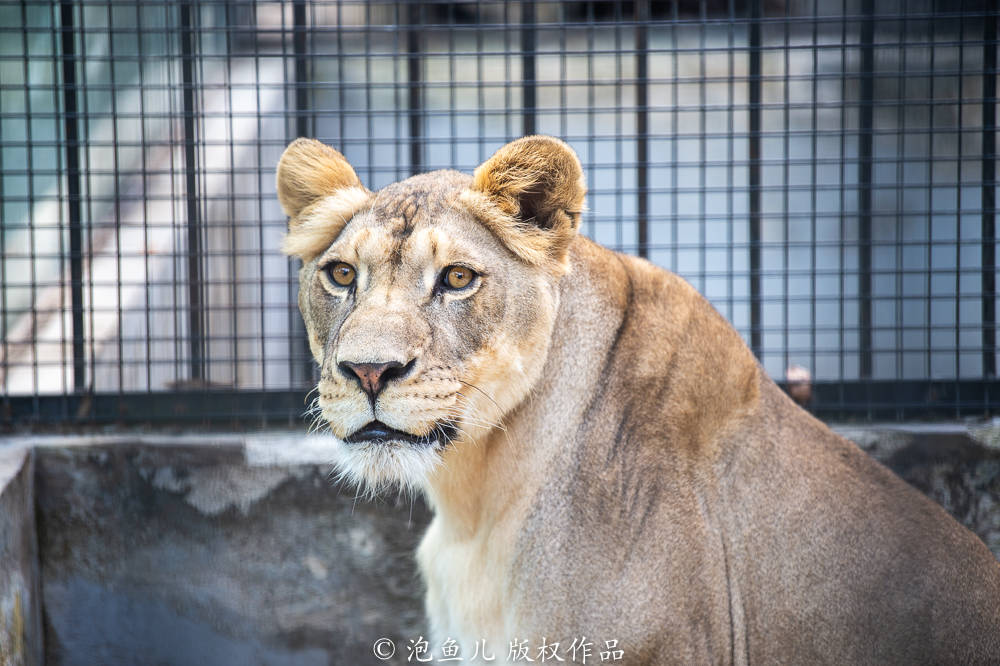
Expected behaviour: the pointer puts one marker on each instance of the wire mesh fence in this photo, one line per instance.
(824, 172)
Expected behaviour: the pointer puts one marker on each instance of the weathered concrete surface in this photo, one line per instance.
(958, 466)
(20, 625)
(218, 554)
(238, 549)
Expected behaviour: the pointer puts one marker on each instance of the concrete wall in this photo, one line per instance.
(958, 466)
(217, 552)
(20, 612)
(239, 549)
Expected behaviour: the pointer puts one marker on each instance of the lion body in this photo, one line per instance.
(625, 471)
(670, 497)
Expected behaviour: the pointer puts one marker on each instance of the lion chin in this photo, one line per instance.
(378, 467)
(378, 458)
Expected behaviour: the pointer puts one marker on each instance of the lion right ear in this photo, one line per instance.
(319, 193)
(530, 193)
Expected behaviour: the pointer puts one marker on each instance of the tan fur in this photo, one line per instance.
(530, 194)
(319, 222)
(623, 469)
(309, 170)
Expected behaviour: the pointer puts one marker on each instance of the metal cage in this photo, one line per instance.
(824, 172)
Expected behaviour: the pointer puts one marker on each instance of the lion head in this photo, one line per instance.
(430, 304)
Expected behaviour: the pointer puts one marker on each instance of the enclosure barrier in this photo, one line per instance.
(824, 172)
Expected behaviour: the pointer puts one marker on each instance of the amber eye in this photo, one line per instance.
(458, 277)
(341, 273)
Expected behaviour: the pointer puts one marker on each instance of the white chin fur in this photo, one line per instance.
(376, 467)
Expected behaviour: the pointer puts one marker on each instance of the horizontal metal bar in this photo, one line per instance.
(917, 399)
(234, 409)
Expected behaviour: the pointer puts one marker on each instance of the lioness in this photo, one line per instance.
(607, 462)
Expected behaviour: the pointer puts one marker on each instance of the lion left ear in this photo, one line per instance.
(319, 192)
(536, 184)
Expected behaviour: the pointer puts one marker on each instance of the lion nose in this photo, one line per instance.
(374, 376)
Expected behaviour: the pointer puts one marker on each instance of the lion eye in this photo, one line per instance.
(341, 273)
(458, 277)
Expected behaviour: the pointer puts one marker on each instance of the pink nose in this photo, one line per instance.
(374, 376)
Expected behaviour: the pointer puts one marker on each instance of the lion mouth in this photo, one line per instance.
(378, 432)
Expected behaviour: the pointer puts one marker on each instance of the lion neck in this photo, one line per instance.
(493, 475)
(602, 374)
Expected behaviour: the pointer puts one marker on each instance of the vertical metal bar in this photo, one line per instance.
(30, 201)
(415, 79)
(71, 124)
(87, 199)
(564, 72)
(702, 147)
(591, 104)
(261, 272)
(480, 92)
(814, 89)
(617, 19)
(198, 33)
(301, 68)
(116, 193)
(528, 66)
(236, 258)
(989, 204)
(507, 78)
(144, 168)
(397, 88)
(6, 365)
(901, 129)
(370, 170)
(865, 188)
(674, 132)
(730, 160)
(642, 126)
(304, 126)
(785, 222)
(65, 338)
(957, 357)
(841, 218)
(756, 14)
(195, 323)
(452, 116)
(171, 37)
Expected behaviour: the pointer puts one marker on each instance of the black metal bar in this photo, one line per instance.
(866, 112)
(753, 149)
(195, 323)
(241, 410)
(233, 409)
(6, 365)
(71, 126)
(304, 126)
(621, 34)
(642, 126)
(989, 204)
(413, 61)
(302, 78)
(528, 102)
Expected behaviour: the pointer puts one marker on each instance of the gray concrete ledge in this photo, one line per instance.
(955, 464)
(237, 548)
(20, 610)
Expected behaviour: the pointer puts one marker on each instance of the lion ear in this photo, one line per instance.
(537, 183)
(319, 193)
(309, 170)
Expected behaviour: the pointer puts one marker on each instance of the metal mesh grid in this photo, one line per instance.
(824, 172)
